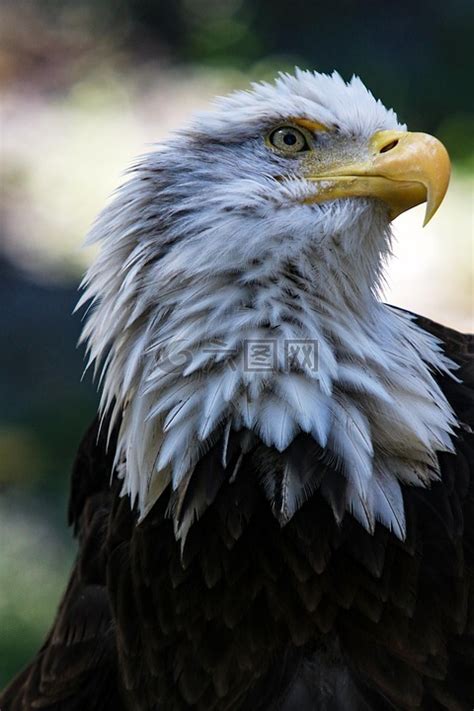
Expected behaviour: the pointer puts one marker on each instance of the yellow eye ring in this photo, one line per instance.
(288, 139)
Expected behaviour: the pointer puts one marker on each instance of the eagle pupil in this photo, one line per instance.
(289, 139)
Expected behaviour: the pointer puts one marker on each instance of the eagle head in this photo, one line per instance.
(261, 228)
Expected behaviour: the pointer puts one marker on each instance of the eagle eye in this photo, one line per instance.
(288, 139)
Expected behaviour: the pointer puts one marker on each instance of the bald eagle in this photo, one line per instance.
(275, 505)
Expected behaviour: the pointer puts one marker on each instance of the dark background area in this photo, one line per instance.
(416, 56)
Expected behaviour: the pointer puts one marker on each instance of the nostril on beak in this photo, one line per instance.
(389, 146)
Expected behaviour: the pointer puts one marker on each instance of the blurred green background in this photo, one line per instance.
(86, 85)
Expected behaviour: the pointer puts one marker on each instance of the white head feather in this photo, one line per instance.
(205, 249)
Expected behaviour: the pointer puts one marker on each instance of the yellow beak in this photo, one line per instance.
(403, 169)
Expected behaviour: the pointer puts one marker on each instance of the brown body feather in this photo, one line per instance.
(251, 615)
